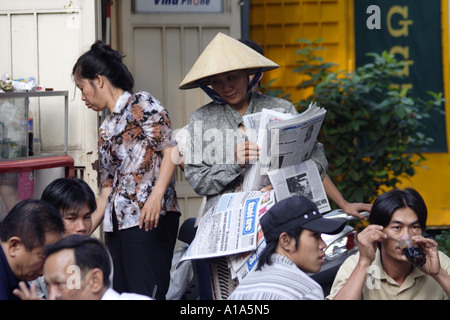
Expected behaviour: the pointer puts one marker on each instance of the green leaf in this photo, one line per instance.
(385, 118)
(400, 112)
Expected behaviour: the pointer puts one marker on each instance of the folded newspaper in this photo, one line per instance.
(230, 226)
(241, 264)
(300, 179)
(284, 140)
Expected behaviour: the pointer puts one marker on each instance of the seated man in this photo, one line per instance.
(381, 270)
(292, 229)
(75, 201)
(28, 227)
(82, 265)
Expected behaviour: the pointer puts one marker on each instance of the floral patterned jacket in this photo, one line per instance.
(130, 141)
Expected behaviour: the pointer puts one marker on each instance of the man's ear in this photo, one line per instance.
(95, 280)
(15, 244)
(285, 242)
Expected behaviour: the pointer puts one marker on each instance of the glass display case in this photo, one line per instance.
(17, 125)
(24, 169)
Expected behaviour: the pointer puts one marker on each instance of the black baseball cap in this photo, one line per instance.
(297, 211)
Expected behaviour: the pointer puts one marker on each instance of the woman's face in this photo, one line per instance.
(232, 87)
(90, 94)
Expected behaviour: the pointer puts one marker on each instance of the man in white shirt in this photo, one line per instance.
(381, 269)
(111, 294)
(77, 268)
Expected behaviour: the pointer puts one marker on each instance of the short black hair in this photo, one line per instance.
(387, 203)
(89, 253)
(271, 245)
(69, 193)
(31, 220)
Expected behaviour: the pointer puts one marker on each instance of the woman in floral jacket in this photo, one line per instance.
(138, 198)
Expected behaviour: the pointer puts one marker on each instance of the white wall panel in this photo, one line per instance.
(43, 39)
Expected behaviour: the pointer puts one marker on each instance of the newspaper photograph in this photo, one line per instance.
(230, 226)
(300, 179)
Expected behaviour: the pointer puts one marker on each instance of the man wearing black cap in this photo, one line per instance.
(294, 246)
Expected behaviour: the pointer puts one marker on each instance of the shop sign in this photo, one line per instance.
(178, 6)
(410, 30)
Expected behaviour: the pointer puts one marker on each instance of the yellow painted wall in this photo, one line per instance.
(277, 25)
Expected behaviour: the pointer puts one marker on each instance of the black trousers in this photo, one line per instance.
(142, 259)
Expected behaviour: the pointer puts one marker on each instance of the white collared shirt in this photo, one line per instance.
(380, 286)
(111, 294)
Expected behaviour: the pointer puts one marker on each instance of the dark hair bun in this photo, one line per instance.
(101, 59)
(102, 50)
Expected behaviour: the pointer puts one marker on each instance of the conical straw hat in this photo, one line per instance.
(224, 54)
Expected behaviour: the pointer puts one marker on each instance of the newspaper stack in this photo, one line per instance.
(286, 142)
(231, 228)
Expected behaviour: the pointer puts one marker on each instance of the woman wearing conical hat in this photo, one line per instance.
(219, 150)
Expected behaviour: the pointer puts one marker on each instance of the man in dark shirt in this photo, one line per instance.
(26, 230)
(8, 282)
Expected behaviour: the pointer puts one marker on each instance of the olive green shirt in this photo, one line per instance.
(380, 286)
